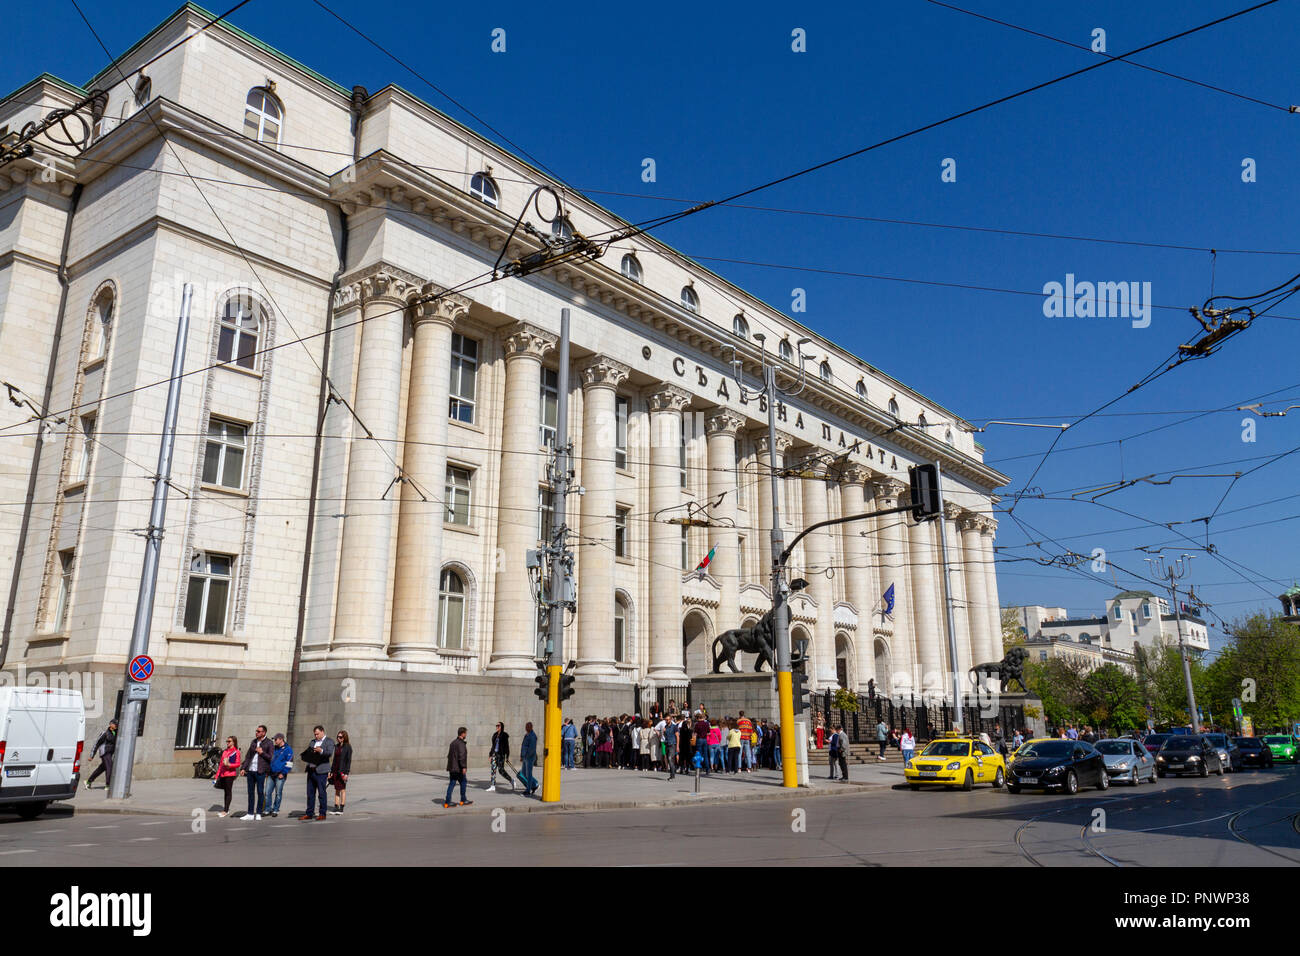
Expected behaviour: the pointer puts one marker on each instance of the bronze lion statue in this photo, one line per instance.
(1010, 668)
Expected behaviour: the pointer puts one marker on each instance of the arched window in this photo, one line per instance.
(920, 419)
(948, 436)
(620, 629)
(263, 116)
(143, 91)
(893, 408)
(631, 268)
(241, 323)
(101, 317)
(825, 371)
(786, 351)
(862, 390)
(483, 188)
(451, 611)
(690, 301)
(740, 326)
(561, 228)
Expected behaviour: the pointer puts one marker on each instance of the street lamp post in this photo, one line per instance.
(1179, 570)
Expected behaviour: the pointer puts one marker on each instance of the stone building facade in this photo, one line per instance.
(360, 468)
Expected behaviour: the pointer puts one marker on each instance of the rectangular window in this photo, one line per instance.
(740, 558)
(1119, 613)
(545, 514)
(196, 723)
(87, 446)
(620, 533)
(208, 593)
(65, 589)
(686, 549)
(1133, 621)
(1146, 611)
(464, 374)
(550, 407)
(682, 454)
(620, 433)
(457, 495)
(223, 460)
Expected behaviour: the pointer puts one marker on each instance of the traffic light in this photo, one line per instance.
(566, 686)
(543, 688)
(799, 682)
(924, 480)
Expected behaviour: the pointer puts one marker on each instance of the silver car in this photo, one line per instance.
(1127, 760)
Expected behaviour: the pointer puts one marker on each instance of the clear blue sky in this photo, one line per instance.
(714, 93)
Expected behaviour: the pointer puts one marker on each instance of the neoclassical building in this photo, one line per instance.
(361, 461)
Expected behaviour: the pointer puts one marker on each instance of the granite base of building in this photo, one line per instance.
(725, 695)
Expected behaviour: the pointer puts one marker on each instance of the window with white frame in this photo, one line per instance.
(893, 408)
(620, 432)
(550, 406)
(690, 301)
(241, 322)
(621, 549)
(545, 514)
(1133, 622)
(786, 350)
(1146, 610)
(263, 116)
(630, 267)
(825, 371)
(862, 390)
(948, 436)
(457, 495)
(1119, 612)
(196, 721)
(66, 559)
(682, 452)
(223, 459)
(464, 375)
(482, 188)
(101, 319)
(208, 593)
(920, 419)
(740, 558)
(87, 447)
(143, 91)
(740, 326)
(620, 629)
(451, 611)
(686, 549)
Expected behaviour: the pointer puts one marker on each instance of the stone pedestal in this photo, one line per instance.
(725, 695)
(1037, 726)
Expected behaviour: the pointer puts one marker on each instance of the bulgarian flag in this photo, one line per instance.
(704, 565)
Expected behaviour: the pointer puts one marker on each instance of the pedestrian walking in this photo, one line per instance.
(907, 743)
(842, 750)
(340, 768)
(317, 757)
(568, 741)
(528, 757)
(833, 756)
(457, 768)
(281, 766)
(105, 746)
(882, 738)
(257, 764)
(227, 771)
(498, 756)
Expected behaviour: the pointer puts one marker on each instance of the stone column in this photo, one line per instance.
(514, 616)
(858, 589)
(365, 558)
(819, 554)
(994, 648)
(424, 464)
(976, 587)
(925, 612)
(666, 405)
(766, 462)
(721, 425)
(601, 377)
(961, 610)
(891, 549)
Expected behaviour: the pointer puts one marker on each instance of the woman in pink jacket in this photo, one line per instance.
(228, 770)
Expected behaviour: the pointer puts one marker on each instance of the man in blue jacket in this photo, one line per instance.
(281, 765)
(317, 758)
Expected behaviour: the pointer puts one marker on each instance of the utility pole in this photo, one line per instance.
(958, 689)
(1179, 570)
(561, 595)
(135, 692)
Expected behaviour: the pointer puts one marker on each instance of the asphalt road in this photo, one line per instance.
(1246, 819)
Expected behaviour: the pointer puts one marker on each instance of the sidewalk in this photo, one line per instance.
(419, 794)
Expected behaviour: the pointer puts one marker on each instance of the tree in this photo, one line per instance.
(1013, 632)
(1168, 686)
(1059, 682)
(1261, 661)
(1113, 698)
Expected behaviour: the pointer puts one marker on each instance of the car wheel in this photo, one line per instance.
(1137, 781)
(1071, 783)
(1220, 770)
(1205, 769)
(1104, 782)
(999, 779)
(1012, 788)
(1160, 773)
(30, 811)
(915, 786)
(969, 781)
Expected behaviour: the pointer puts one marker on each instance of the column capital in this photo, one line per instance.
(526, 339)
(784, 442)
(447, 308)
(722, 421)
(855, 474)
(603, 372)
(970, 521)
(988, 526)
(382, 281)
(883, 486)
(669, 398)
(953, 511)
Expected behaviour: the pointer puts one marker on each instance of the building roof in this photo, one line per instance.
(1125, 595)
(1075, 622)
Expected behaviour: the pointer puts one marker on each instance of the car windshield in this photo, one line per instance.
(1182, 743)
(1247, 743)
(947, 748)
(1155, 740)
(1115, 747)
(1219, 740)
(1046, 748)
(1277, 740)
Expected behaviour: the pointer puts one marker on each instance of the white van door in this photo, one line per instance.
(65, 736)
(24, 739)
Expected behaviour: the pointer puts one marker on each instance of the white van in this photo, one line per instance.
(42, 736)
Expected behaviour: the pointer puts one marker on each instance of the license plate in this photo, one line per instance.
(18, 772)
(1029, 780)
(1175, 766)
(927, 773)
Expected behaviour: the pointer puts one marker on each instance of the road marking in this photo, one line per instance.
(155, 823)
(37, 832)
(110, 826)
(141, 839)
(237, 829)
(281, 826)
(12, 852)
(79, 845)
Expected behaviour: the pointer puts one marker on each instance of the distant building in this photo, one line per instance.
(1291, 604)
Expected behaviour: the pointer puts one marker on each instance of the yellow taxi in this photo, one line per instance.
(956, 761)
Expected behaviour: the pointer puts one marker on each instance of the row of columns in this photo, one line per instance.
(876, 554)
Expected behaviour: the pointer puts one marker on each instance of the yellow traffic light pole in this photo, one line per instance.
(551, 736)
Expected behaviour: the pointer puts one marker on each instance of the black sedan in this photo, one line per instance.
(1188, 753)
(1051, 764)
(1254, 752)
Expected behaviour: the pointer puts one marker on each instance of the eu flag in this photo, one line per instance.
(889, 600)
